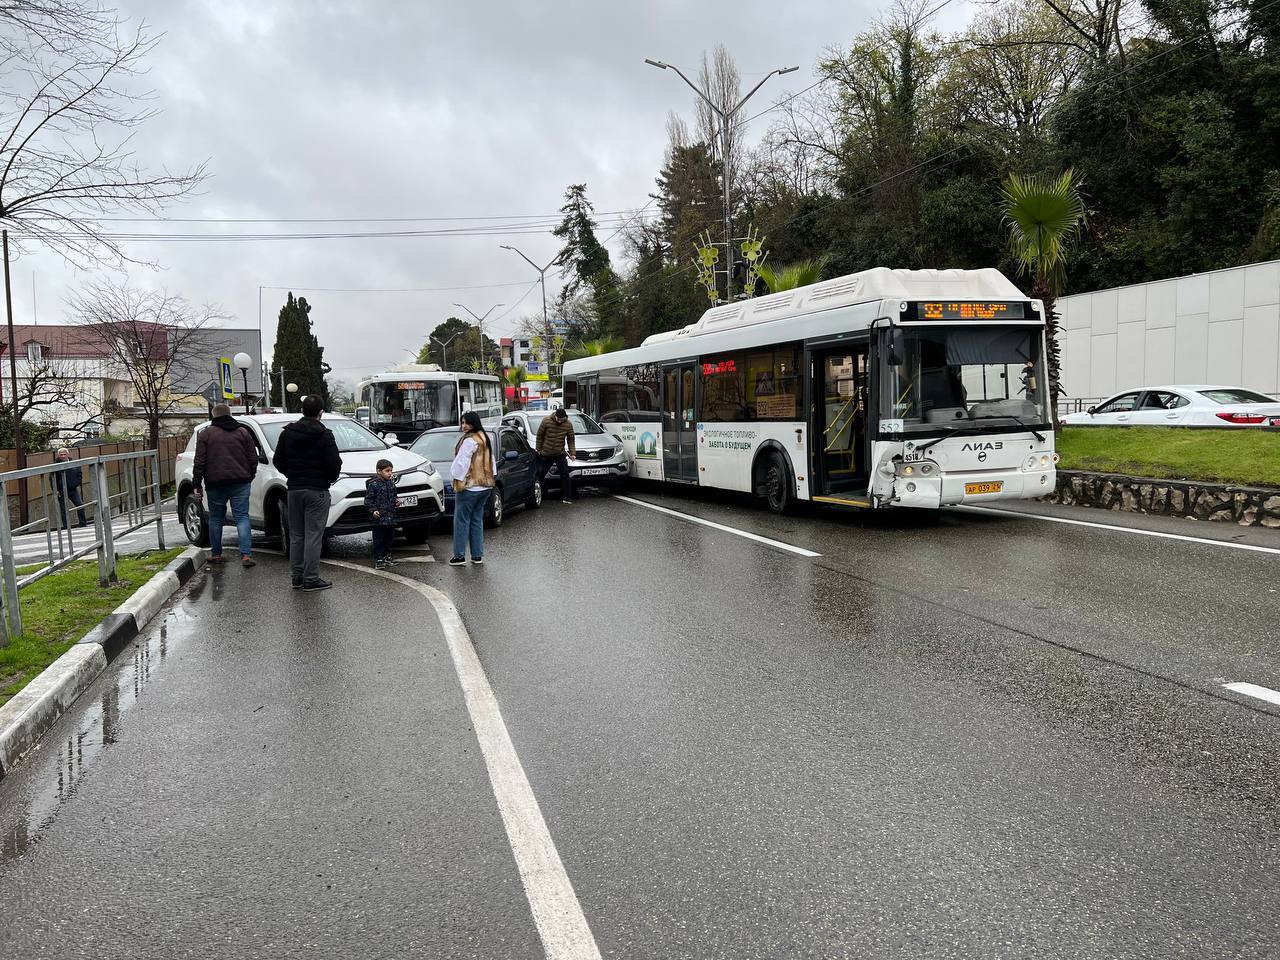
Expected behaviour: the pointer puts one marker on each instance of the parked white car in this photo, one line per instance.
(1182, 405)
(420, 486)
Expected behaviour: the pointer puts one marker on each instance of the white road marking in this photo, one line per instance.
(1107, 526)
(1253, 690)
(561, 923)
(777, 544)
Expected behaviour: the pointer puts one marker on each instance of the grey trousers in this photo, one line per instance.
(308, 514)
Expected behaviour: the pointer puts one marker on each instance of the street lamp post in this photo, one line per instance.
(444, 346)
(293, 389)
(480, 326)
(726, 119)
(243, 362)
(542, 279)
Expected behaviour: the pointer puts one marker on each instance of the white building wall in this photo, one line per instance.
(1219, 327)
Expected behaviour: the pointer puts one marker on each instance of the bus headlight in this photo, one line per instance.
(1044, 460)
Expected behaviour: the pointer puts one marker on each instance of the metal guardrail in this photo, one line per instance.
(137, 499)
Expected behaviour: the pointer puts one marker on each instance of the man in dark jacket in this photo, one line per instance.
(68, 482)
(308, 456)
(555, 432)
(226, 460)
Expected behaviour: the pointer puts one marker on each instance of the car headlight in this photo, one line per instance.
(428, 468)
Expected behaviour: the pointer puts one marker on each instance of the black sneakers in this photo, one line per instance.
(457, 561)
(477, 561)
(297, 584)
(309, 586)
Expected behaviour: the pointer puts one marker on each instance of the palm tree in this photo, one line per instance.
(593, 348)
(1044, 217)
(793, 275)
(515, 377)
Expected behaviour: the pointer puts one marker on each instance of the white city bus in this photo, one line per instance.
(414, 397)
(884, 388)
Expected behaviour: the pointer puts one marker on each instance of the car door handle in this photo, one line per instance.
(1171, 416)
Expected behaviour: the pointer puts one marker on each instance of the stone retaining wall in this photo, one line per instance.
(1247, 506)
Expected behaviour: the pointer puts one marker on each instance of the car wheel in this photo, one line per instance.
(494, 515)
(778, 492)
(535, 495)
(194, 522)
(416, 534)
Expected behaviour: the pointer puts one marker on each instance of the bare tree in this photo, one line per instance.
(155, 340)
(720, 80)
(69, 82)
(49, 386)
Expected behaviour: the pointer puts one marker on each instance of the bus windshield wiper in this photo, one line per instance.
(1022, 423)
(956, 432)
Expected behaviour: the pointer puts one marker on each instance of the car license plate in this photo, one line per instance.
(594, 471)
(993, 487)
(408, 500)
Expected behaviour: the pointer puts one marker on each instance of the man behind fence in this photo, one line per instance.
(226, 460)
(68, 481)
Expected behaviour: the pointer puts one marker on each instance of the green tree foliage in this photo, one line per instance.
(792, 275)
(463, 351)
(586, 265)
(298, 353)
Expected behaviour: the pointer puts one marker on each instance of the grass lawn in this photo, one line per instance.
(1239, 455)
(60, 609)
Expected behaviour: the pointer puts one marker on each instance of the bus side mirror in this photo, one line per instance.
(466, 406)
(895, 347)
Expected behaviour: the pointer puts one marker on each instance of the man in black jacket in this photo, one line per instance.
(308, 456)
(68, 482)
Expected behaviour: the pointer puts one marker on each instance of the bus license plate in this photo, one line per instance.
(409, 500)
(994, 487)
(594, 471)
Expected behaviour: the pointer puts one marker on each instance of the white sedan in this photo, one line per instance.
(1181, 405)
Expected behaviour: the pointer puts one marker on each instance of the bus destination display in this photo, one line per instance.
(960, 310)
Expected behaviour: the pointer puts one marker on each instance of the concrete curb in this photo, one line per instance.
(29, 715)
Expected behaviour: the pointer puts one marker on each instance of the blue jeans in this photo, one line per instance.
(237, 494)
(468, 522)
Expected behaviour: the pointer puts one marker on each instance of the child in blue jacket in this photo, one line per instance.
(380, 501)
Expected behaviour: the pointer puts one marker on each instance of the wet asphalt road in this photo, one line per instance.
(962, 735)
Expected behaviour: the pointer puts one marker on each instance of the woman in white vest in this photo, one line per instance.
(472, 473)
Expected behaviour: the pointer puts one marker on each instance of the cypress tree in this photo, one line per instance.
(298, 353)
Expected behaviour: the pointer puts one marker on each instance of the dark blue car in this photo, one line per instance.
(517, 480)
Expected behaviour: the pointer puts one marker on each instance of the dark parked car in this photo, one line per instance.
(517, 480)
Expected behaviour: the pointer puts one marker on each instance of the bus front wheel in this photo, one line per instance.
(779, 493)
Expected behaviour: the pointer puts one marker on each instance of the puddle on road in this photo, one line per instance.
(46, 782)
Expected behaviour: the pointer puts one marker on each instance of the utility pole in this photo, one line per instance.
(726, 121)
(19, 451)
(480, 327)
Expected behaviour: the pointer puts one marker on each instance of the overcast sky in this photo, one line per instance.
(419, 108)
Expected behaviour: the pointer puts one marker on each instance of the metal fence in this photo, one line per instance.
(136, 478)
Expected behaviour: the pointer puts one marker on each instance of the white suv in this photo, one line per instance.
(420, 486)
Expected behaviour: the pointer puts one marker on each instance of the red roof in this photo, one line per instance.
(80, 342)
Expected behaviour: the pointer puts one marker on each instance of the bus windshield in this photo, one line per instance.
(963, 376)
(413, 405)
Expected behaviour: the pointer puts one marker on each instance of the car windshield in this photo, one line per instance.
(437, 446)
(1236, 396)
(349, 435)
(582, 424)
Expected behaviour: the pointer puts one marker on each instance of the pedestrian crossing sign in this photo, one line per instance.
(227, 378)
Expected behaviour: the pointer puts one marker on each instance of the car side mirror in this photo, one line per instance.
(1091, 411)
(392, 439)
